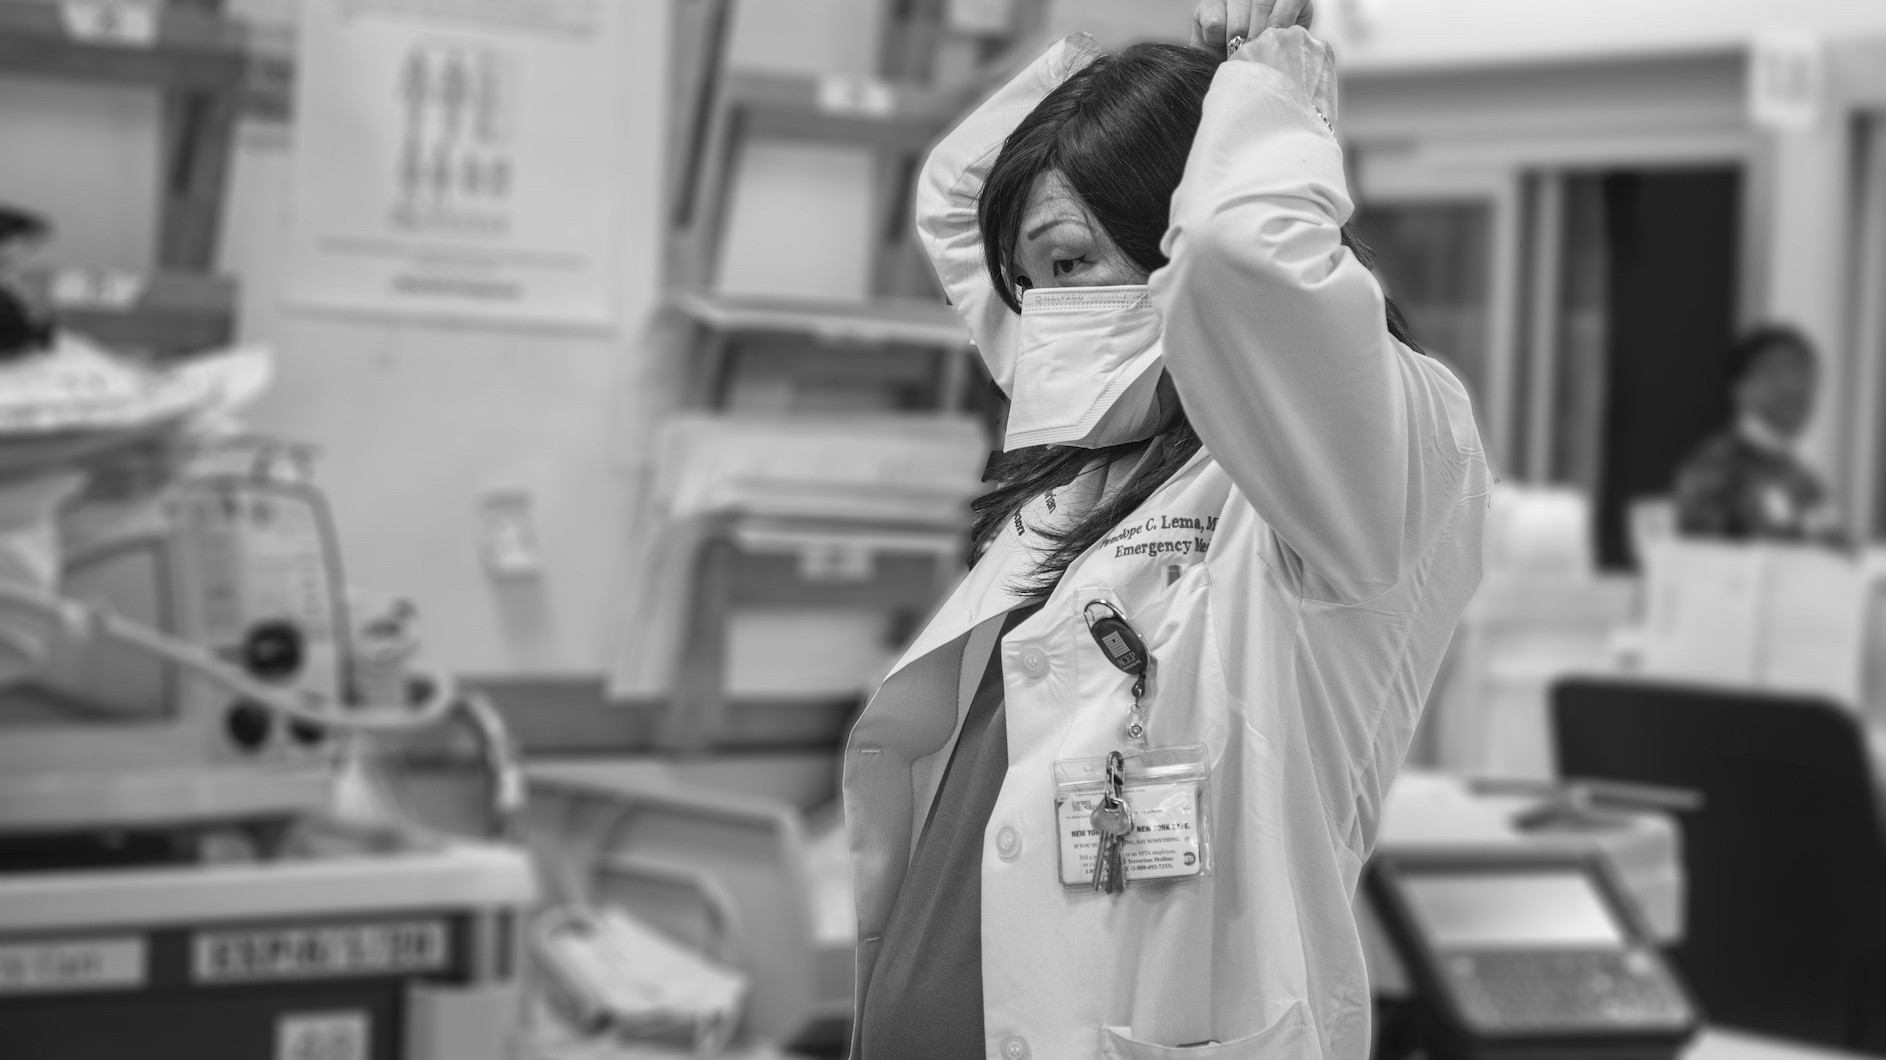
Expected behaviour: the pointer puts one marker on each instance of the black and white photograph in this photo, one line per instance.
(942, 529)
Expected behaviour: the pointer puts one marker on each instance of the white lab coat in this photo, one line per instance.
(1302, 578)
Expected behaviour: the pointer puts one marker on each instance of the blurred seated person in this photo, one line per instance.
(1747, 483)
(24, 325)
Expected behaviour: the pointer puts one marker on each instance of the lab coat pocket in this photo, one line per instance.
(1284, 1038)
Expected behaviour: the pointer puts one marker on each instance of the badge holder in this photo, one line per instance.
(1162, 832)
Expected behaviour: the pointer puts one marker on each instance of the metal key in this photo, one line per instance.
(1113, 822)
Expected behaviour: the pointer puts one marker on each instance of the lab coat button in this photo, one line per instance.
(1014, 1049)
(1034, 663)
(1008, 844)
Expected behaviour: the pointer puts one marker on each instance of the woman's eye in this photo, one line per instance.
(1063, 266)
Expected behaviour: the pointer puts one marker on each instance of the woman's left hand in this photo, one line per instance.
(1216, 21)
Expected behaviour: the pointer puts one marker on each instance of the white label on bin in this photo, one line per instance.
(856, 97)
(305, 952)
(113, 289)
(87, 964)
(835, 563)
(113, 22)
(322, 1036)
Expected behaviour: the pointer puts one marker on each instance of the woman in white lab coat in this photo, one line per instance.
(1222, 444)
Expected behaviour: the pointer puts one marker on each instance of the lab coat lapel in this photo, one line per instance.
(989, 588)
(986, 591)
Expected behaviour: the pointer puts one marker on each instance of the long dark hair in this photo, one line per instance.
(1118, 131)
(1756, 345)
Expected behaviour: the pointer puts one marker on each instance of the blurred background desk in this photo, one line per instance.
(1783, 861)
(1436, 811)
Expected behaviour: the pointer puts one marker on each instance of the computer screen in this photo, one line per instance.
(1508, 910)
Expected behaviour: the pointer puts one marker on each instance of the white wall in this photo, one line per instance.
(1385, 34)
(1390, 33)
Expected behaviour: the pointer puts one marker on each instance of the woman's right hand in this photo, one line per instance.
(1216, 21)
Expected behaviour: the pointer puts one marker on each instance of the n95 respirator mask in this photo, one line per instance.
(1086, 368)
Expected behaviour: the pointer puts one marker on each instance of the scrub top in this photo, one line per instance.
(924, 1001)
(1736, 489)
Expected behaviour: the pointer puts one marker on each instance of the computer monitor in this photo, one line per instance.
(1515, 910)
(1528, 953)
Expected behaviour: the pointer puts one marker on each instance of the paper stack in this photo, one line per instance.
(882, 469)
(1792, 619)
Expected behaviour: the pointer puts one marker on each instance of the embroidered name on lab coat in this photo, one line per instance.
(1161, 535)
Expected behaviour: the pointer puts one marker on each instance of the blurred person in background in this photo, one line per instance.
(1747, 483)
(1238, 518)
(24, 325)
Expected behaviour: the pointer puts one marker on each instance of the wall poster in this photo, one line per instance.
(457, 159)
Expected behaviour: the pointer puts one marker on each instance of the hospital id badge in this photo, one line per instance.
(1166, 790)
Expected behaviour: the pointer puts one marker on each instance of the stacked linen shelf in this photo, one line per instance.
(900, 470)
(825, 533)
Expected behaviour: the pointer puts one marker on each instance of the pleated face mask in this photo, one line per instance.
(1085, 368)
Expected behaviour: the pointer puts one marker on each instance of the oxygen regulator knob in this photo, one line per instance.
(249, 725)
(307, 733)
(274, 651)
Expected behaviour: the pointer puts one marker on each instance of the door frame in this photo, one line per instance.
(1399, 178)
(1858, 111)
(1866, 516)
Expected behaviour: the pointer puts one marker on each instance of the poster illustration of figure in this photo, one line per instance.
(440, 152)
(455, 162)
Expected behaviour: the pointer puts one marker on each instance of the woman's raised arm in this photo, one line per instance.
(951, 183)
(1348, 444)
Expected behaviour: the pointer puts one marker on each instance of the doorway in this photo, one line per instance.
(1667, 244)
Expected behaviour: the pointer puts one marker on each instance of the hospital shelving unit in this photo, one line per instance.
(896, 122)
(210, 69)
(910, 343)
(959, 41)
(901, 339)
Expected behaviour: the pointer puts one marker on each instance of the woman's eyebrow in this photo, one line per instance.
(1044, 226)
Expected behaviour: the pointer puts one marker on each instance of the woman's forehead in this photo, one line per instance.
(1053, 210)
(1051, 201)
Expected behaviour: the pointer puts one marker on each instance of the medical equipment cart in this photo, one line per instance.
(349, 954)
